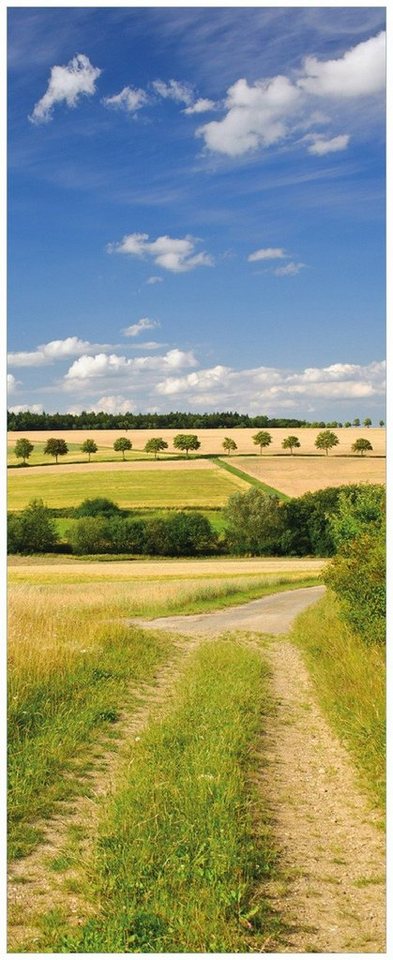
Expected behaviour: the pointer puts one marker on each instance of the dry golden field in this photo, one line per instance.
(37, 570)
(211, 440)
(297, 475)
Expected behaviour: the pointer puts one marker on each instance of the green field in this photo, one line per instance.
(39, 459)
(147, 488)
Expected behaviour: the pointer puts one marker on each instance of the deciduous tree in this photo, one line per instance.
(229, 445)
(326, 440)
(56, 448)
(361, 446)
(186, 441)
(262, 439)
(154, 445)
(122, 444)
(23, 449)
(89, 446)
(290, 443)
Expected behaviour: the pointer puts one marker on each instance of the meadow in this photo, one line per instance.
(164, 484)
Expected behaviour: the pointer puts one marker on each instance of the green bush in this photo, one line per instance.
(127, 536)
(255, 523)
(359, 510)
(33, 530)
(90, 535)
(97, 507)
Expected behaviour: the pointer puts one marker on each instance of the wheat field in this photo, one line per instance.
(297, 475)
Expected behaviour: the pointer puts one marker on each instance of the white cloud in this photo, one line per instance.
(153, 280)
(50, 352)
(270, 388)
(24, 408)
(130, 99)
(256, 116)
(272, 110)
(12, 383)
(176, 255)
(113, 404)
(322, 146)
(143, 324)
(66, 83)
(104, 365)
(290, 269)
(200, 106)
(174, 90)
(360, 72)
(267, 253)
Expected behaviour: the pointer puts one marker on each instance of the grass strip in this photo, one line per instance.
(253, 481)
(60, 707)
(349, 678)
(178, 858)
(232, 594)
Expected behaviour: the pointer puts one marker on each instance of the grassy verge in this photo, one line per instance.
(178, 858)
(253, 481)
(216, 597)
(69, 677)
(349, 677)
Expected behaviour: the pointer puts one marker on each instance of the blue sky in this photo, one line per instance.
(197, 210)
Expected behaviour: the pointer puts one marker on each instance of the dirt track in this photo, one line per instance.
(274, 614)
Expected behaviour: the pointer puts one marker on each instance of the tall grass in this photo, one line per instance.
(177, 859)
(69, 676)
(349, 677)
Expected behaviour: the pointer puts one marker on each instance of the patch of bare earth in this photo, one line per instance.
(331, 851)
(35, 885)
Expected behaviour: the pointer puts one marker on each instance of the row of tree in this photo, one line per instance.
(56, 447)
(87, 420)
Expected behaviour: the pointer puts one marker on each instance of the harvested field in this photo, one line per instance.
(298, 475)
(164, 484)
(40, 569)
(211, 440)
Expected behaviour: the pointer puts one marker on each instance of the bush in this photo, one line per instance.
(359, 509)
(255, 523)
(127, 536)
(306, 523)
(182, 534)
(90, 535)
(32, 531)
(98, 507)
(358, 576)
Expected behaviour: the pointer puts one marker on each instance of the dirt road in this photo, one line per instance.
(274, 614)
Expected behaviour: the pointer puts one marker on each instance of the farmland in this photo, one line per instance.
(297, 475)
(164, 484)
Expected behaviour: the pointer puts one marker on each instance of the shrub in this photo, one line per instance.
(190, 533)
(255, 523)
(127, 536)
(357, 575)
(358, 509)
(33, 530)
(90, 535)
(97, 507)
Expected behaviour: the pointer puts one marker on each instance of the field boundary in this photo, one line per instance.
(253, 481)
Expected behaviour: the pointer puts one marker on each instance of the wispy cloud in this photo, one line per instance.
(129, 100)
(290, 269)
(174, 90)
(321, 146)
(66, 84)
(267, 253)
(143, 324)
(203, 105)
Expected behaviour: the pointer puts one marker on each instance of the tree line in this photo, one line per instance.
(87, 420)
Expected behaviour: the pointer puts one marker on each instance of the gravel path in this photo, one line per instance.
(274, 614)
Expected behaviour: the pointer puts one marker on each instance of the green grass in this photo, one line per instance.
(179, 856)
(74, 455)
(148, 488)
(253, 481)
(215, 517)
(231, 594)
(54, 714)
(349, 678)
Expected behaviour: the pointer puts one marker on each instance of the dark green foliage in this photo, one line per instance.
(326, 440)
(359, 510)
(306, 523)
(361, 446)
(89, 446)
(32, 531)
(90, 535)
(23, 449)
(262, 439)
(358, 577)
(186, 441)
(255, 523)
(154, 445)
(182, 534)
(127, 536)
(122, 444)
(176, 420)
(97, 507)
(56, 448)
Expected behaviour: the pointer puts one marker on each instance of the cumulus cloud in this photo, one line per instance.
(272, 110)
(290, 269)
(67, 84)
(50, 352)
(12, 383)
(271, 388)
(267, 253)
(113, 404)
(174, 90)
(104, 365)
(130, 99)
(322, 146)
(200, 106)
(143, 324)
(256, 115)
(27, 408)
(175, 255)
(360, 72)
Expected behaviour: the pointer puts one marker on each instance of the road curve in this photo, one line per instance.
(274, 614)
